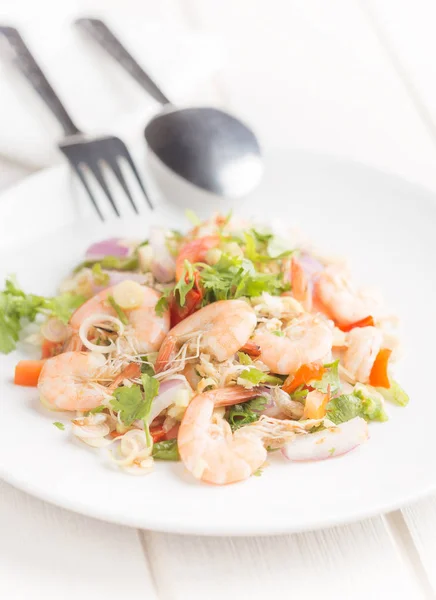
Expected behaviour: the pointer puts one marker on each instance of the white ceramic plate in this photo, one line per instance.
(385, 225)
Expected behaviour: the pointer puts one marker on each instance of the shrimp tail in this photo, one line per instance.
(233, 395)
(301, 289)
(165, 353)
(73, 344)
(251, 349)
(132, 371)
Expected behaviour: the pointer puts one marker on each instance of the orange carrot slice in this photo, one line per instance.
(379, 372)
(304, 375)
(27, 372)
(366, 322)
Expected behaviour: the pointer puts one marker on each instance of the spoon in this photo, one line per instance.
(205, 146)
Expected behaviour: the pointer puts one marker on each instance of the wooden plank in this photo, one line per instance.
(314, 75)
(50, 553)
(406, 32)
(357, 562)
(420, 519)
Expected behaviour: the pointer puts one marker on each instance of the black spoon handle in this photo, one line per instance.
(24, 61)
(107, 40)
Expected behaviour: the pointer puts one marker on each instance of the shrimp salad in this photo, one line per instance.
(213, 347)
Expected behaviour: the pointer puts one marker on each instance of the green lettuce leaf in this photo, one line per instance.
(394, 394)
(256, 376)
(372, 402)
(364, 402)
(330, 378)
(343, 408)
(244, 359)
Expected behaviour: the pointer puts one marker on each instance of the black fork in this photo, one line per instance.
(83, 152)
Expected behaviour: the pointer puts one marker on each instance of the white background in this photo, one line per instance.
(354, 78)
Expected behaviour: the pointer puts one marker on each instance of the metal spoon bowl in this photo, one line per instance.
(207, 147)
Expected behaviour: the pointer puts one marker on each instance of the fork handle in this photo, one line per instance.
(107, 40)
(28, 66)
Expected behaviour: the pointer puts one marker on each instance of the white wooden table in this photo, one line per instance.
(355, 78)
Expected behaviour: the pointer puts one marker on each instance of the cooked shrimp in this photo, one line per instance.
(145, 330)
(207, 446)
(307, 339)
(70, 381)
(338, 299)
(224, 327)
(364, 344)
(195, 251)
(301, 286)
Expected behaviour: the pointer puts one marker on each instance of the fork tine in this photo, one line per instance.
(87, 188)
(127, 156)
(113, 164)
(96, 170)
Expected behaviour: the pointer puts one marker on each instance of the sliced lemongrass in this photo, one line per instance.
(128, 294)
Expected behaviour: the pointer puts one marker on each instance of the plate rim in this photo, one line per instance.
(168, 526)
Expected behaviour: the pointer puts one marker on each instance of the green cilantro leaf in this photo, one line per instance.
(163, 303)
(59, 425)
(63, 306)
(246, 413)
(166, 450)
(117, 308)
(16, 307)
(185, 283)
(234, 277)
(129, 402)
(132, 404)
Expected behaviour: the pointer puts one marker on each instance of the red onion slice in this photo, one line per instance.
(109, 247)
(331, 442)
(167, 392)
(311, 265)
(163, 264)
